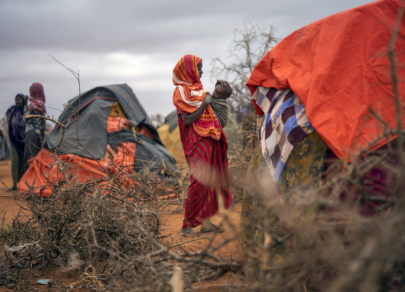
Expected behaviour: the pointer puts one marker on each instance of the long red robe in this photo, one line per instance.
(208, 163)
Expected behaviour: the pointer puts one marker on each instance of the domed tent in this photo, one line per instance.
(336, 71)
(106, 130)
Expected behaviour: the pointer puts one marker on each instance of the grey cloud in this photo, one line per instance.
(146, 26)
(150, 35)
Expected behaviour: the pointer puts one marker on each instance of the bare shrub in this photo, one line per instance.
(108, 235)
(245, 51)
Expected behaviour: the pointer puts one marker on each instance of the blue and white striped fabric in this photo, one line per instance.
(285, 124)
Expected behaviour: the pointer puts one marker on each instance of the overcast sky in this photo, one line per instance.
(132, 42)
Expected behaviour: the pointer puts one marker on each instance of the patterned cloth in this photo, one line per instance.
(285, 124)
(37, 98)
(208, 164)
(338, 66)
(303, 171)
(221, 109)
(35, 127)
(35, 124)
(189, 95)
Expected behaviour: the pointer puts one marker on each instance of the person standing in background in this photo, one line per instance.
(35, 127)
(16, 132)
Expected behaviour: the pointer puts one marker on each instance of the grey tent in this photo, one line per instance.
(93, 108)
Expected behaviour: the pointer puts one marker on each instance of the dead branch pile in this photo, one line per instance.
(241, 146)
(110, 238)
(78, 216)
(105, 234)
(337, 236)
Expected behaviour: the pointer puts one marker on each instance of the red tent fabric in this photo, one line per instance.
(339, 67)
(78, 169)
(44, 171)
(43, 167)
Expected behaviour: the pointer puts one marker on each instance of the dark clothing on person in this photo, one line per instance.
(35, 127)
(220, 108)
(34, 135)
(32, 147)
(17, 165)
(16, 127)
(35, 124)
(16, 133)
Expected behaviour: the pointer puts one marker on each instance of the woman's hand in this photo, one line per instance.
(208, 98)
(222, 82)
(191, 118)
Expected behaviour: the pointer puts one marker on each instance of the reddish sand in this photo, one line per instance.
(9, 204)
(171, 220)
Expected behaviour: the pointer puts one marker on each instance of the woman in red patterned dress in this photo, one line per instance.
(204, 144)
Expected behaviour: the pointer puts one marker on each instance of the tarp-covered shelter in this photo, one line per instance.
(170, 135)
(339, 68)
(107, 129)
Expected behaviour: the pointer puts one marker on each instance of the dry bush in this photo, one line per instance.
(110, 236)
(106, 235)
(241, 146)
(76, 218)
(337, 236)
(246, 49)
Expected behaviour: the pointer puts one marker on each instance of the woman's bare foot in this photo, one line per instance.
(208, 226)
(12, 189)
(188, 232)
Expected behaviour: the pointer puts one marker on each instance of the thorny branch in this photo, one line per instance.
(110, 235)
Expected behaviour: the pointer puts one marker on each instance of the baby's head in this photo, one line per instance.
(222, 91)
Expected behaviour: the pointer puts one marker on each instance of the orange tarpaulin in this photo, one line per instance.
(118, 162)
(43, 166)
(119, 159)
(339, 67)
(43, 169)
(78, 169)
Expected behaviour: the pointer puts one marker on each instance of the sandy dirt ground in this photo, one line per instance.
(9, 208)
(171, 221)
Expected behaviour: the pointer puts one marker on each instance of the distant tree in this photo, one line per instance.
(246, 49)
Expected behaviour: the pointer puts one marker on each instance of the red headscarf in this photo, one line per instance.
(189, 95)
(37, 98)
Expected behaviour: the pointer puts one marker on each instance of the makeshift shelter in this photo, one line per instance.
(170, 136)
(106, 131)
(340, 70)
